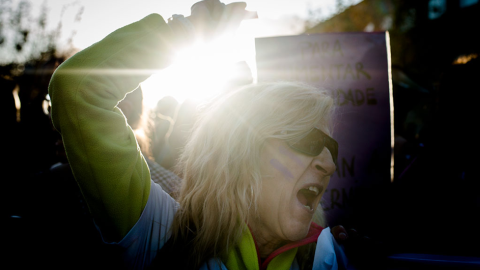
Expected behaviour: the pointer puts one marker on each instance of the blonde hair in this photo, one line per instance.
(220, 162)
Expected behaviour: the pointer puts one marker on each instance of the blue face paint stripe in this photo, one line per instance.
(284, 151)
(279, 166)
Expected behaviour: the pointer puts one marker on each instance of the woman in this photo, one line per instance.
(254, 170)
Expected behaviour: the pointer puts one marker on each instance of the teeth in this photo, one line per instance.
(314, 189)
(308, 207)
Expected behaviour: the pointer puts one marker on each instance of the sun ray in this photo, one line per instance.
(198, 73)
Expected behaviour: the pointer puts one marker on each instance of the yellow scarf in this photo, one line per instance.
(244, 256)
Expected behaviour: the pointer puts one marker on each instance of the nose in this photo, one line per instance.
(324, 162)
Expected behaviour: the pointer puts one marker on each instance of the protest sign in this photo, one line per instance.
(355, 69)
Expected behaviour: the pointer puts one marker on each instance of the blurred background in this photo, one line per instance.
(434, 57)
(427, 37)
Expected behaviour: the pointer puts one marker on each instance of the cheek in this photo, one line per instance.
(281, 162)
(279, 168)
(271, 201)
(277, 182)
(325, 184)
(293, 157)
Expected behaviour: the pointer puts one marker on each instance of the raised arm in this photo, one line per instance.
(101, 147)
(85, 90)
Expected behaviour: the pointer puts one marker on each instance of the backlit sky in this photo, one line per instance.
(100, 17)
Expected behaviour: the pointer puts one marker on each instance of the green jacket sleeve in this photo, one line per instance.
(101, 148)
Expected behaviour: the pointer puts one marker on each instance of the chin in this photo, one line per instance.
(298, 232)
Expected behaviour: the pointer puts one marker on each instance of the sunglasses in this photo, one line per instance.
(314, 142)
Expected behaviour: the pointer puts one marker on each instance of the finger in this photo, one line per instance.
(206, 7)
(210, 4)
(237, 5)
(236, 9)
(338, 229)
(217, 9)
(342, 236)
(233, 14)
(201, 18)
(200, 12)
(339, 233)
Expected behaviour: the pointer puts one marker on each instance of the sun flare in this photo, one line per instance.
(198, 73)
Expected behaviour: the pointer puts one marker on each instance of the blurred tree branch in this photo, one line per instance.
(31, 47)
(25, 37)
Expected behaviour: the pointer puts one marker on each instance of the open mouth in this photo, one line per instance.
(307, 196)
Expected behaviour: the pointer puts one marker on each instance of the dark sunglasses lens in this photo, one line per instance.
(332, 146)
(313, 144)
